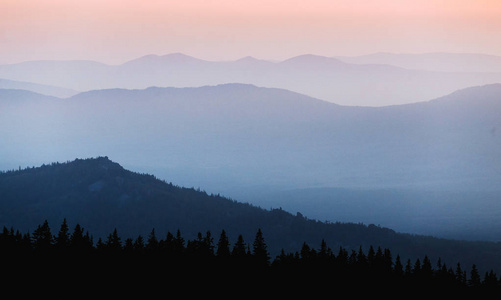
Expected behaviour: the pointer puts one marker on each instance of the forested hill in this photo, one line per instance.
(102, 196)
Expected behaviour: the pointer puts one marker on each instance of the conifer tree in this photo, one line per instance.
(426, 268)
(324, 252)
(62, 239)
(42, 237)
(239, 249)
(459, 273)
(77, 238)
(152, 244)
(398, 268)
(362, 258)
(178, 243)
(128, 245)
(114, 242)
(260, 250)
(223, 245)
(408, 268)
(138, 245)
(208, 244)
(417, 267)
(371, 255)
(475, 279)
(387, 260)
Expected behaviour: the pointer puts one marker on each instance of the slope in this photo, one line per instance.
(240, 139)
(102, 196)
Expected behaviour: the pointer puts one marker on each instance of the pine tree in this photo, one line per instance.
(459, 273)
(114, 242)
(426, 268)
(474, 277)
(138, 245)
(371, 255)
(77, 240)
(398, 268)
(324, 252)
(417, 267)
(208, 244)
(42, 237)
(362, 261)
(490, 279)
(408, 268)
(178, 243)
(62, 239)
(152, 244)
(260, 251)
(223, 245)
(239, 249)
(387, 260)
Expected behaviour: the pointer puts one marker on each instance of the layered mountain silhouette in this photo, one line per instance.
(325, 78)
(247, 134)
(37, 88)
(241, 140)
(101, 196)
(440, 62)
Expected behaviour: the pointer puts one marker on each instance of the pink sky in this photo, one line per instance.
(114, 31)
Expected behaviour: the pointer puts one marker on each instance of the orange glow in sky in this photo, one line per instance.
(113, 31)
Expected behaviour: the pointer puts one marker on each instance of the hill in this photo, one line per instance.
(236, 135)
(102, 196)
(240, 140)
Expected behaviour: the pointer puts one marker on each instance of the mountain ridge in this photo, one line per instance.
(234, 139)
(320, 77)
(101, 195)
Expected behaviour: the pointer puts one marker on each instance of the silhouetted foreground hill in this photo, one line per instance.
(102, 196)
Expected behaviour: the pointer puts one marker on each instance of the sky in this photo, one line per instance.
(115, 31)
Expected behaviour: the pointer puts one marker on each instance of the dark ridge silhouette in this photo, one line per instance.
(103, 196)
(71, 257)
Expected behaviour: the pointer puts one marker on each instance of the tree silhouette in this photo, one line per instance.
(260, 250)
(62, 240)
(239, 249)
(308, 267)
(42, 237)
(223, 245)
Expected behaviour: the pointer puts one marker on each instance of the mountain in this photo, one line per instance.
(76, 75)
(243, 140)
(102, 196)
(37, 88)
(321, 77)
(439, 62)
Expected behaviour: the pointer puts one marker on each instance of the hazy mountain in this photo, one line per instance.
(102, 196)
(239, 140)
(79, 75)
(268, 136)
(321, 77)
(440, 62)
(37, 88)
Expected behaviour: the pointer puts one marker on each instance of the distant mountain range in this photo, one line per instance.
(439, 62)
(101, 196)
(349, 81)
(237, 139)
(266, 136)
(37, 88)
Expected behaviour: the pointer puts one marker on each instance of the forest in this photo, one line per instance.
(73, 257)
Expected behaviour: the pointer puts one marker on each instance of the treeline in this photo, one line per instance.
(208, 259)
